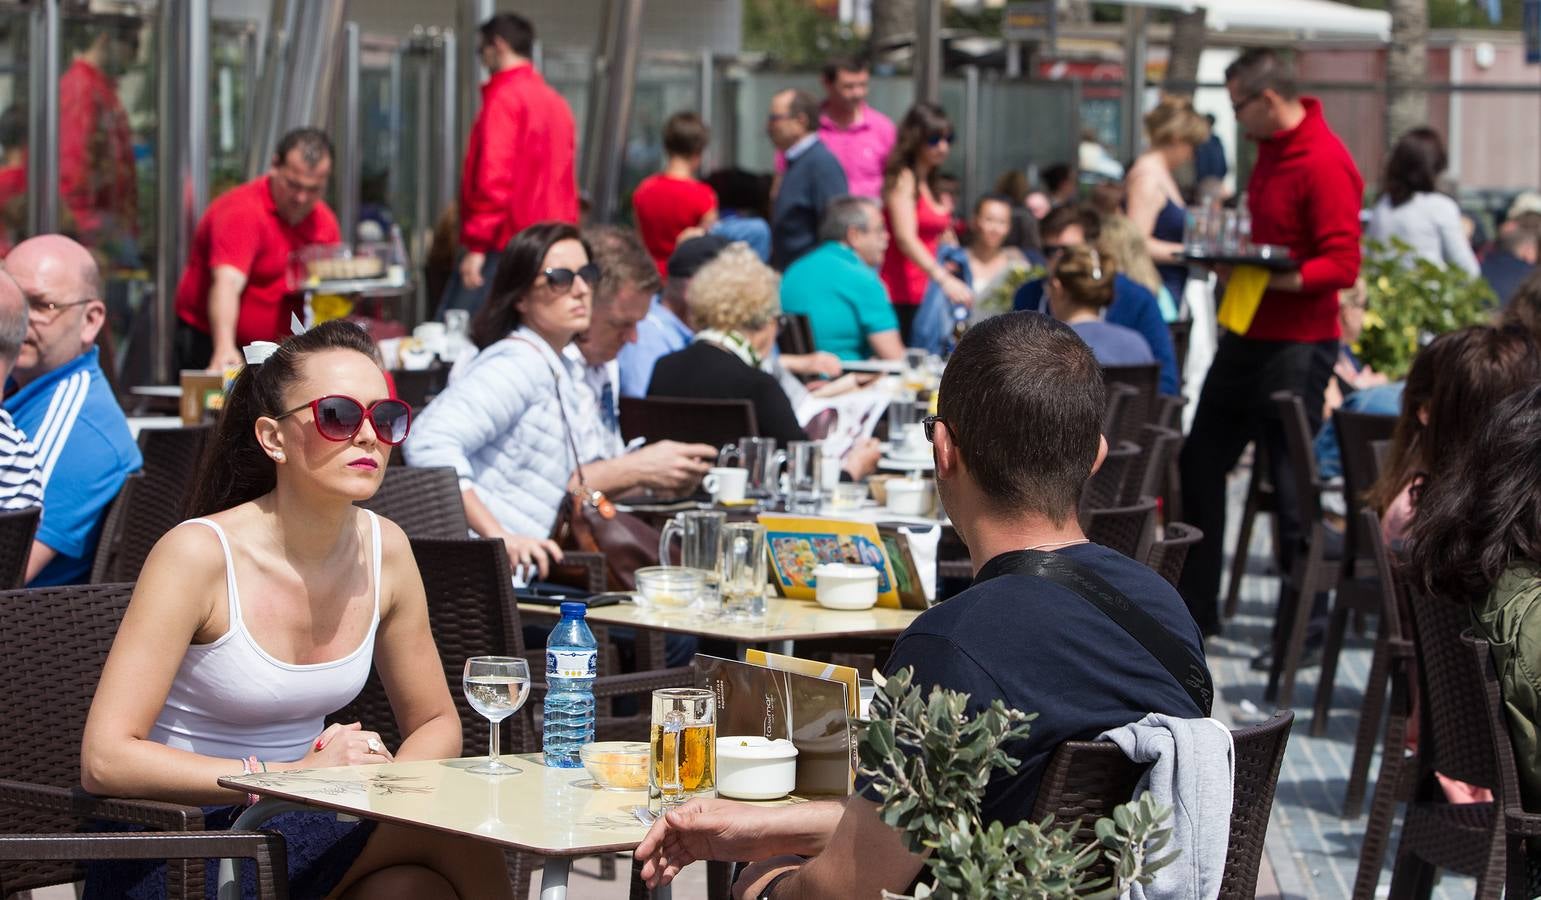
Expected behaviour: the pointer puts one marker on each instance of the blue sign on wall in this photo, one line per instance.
(1532, 30)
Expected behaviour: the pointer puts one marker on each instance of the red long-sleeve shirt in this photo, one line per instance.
(96, 156)
(519, 166)
(1305, 193)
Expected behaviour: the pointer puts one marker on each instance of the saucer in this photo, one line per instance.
(907, 463)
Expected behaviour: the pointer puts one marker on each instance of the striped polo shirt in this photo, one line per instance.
(21, 479)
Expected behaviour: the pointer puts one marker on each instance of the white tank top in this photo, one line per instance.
(231, 699)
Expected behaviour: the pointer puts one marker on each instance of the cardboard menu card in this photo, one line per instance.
(799, 544)
(828, 671)
(755, 700)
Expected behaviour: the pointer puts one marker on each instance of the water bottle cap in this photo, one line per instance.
(574, 609)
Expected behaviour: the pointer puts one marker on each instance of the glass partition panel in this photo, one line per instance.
(13, 126)
(666, 84)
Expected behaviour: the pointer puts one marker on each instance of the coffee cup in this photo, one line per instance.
(726, 484)
(910, 496)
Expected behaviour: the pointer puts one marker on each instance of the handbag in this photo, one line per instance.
(589, 523)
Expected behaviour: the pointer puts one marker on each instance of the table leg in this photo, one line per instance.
(553, 878)
(250, 820)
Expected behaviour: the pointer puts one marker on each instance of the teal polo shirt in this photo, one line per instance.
(842, 297)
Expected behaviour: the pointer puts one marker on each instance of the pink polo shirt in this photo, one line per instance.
(862, 149)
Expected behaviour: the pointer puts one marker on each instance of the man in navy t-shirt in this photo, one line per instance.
(1017, 435)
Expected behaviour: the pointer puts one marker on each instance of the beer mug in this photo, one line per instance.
(759, 456)
(743, 570)
(682, 751)
(700, 534)
(805, 476)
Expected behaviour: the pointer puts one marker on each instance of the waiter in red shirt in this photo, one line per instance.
(1304, 193)
(235, 289)
(519, 166)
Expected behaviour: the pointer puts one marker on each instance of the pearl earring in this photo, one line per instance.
(279, 456)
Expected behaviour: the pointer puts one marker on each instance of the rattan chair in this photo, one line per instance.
(418, 387)
(686, 419)
(1085, 780)
(425, 502)
(1168, 554)
(1128, 529)
(1147, 475)
(1359, 583)
(1310, 571)
(1105, 488)
(1182, 331)
(53, 643)
(1261, 500)
(795, 334)
(17, 529)
(264, 848)
(1455, 739)
(1520, 827)
(1119, 398)
(1142, 410)
(150, 503)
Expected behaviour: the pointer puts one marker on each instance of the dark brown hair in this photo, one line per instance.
(1524, 309)
(1263, 69)
(833, 67)
(1480, 513)
(1414, 165)
(235, 469)
(623, 262)
(685, 134)
(1023, 399)
(523, 260)
(515, 30)
(922, 122)
(1086, 276)
(1061, 218)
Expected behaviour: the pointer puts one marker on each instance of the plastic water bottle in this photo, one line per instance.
(571, 658)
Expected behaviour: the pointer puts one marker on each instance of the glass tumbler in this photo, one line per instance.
(682, 749)
(743, 570)
(805, 476)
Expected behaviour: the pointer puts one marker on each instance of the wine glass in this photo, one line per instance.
(496, 687)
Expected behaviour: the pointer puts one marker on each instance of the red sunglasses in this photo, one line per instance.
(339, 418)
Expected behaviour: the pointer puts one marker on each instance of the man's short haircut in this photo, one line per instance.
(1023, 399)
(515, 30)
(834, 66)
(843, 214)
(1063, 217)
(1263, 69)
(1524, 233)
(13, 322)
(1055, 176)
(623, 262)
(685, 134)
(805, 107)
(313, 144)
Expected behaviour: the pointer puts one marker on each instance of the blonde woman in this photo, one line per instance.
(1155, 203)
(1123, 245)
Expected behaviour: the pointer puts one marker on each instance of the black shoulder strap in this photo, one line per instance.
(1187, 669)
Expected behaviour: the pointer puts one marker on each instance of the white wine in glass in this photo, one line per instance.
(496, 687)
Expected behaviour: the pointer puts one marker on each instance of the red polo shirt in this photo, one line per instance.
(519, 166)
(1305, 193)
(242, 229)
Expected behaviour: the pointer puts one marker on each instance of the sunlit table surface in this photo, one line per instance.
(558, 814)
(785, 620)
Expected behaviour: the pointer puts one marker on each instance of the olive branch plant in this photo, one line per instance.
(930, 762)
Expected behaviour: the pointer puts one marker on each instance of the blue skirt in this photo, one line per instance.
(319, 850)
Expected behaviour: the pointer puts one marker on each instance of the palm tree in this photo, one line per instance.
(890, 19)
(1407, 65)
(1182, 68)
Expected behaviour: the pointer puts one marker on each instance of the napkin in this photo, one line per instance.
(1243, 294)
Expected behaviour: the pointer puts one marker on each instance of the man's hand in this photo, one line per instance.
(820, 363)
(533, 554)
(956, 291)
(471, 269)
(752, 881)
(862, 459)
(225, 357)
(672, 467)
(702, 829)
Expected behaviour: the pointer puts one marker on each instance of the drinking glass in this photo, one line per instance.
(743, 570)
(759, 456)
(682, 751)
(805, 476)
(914, 369)
(700, 534)
(496, 687)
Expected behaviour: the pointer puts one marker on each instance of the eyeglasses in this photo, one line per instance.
(929, 423)
(48, 310)
(773, 118)
(339, 418)
(1240, 105)
(562, 279)
(939, 137)
(1052, 250)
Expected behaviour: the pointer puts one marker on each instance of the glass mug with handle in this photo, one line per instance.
(682, 749)
(700, 534)
(743, 570)
(805, 476)
(496, 687)
(759, 456)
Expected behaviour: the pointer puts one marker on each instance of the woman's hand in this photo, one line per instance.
(956, 291)
(862, 459)
(536, 553)
(345, 745)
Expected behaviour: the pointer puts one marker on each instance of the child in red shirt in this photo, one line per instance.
(673, 200)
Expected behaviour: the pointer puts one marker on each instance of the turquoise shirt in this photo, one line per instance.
(842, 297)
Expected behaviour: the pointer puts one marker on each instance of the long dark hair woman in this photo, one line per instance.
(1412, 210)
(252, 623)
(919, 217)
(1477, 541)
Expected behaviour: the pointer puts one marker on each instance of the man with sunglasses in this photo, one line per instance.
(520, 159)
(813, 178)
(62, 399)
(235, 289)
(1304, 193)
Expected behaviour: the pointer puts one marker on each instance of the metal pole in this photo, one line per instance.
(348, 155)
(182, 143)
(971, 126)
(619, 86)
(423, 129)
(43, 125)
(1134, 80)
(471, 74)
(928, 51)
(594, 116)
(450, 147)
(267, 106)
(708, 75)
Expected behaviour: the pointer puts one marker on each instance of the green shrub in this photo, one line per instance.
(1412, 301)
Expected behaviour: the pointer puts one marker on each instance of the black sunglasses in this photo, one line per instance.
(562, 279)
(929, 422)
(939, 137)
(1240, 105)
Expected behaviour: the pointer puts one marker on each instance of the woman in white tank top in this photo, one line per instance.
(251, 624)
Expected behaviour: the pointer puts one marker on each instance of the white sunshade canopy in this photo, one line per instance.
(1305, 18)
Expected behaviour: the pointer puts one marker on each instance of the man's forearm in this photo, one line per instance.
(224, 310)
(805, 829)
(613, 476)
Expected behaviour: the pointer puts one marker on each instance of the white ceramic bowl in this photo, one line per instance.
(844, 586)
(755, 768)
(669, 587)
(910, 496)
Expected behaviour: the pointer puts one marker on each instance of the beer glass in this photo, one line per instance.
(743, 570)
(700, 534)
(682, 751)
(805, 476)
(759, 456)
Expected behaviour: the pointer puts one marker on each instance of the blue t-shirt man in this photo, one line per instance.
(1133, 306)
(1041, 648)
(86, 453)
(843, 298)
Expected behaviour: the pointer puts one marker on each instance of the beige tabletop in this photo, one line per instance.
(785, 620)
(546, 811)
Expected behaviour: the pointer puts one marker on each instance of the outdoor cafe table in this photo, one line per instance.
(558, 814)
